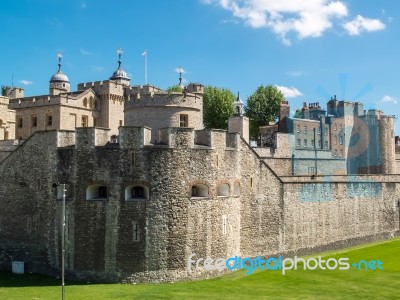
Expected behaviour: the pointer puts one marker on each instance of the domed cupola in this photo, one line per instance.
(238, 105)
(120, 75)
(59, 82)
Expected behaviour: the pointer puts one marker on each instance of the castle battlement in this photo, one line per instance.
(164, 99)
(36, 101)
(139, 137)
(103, 87)
(4, 100)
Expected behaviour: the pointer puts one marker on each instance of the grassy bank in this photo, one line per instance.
(295, 284)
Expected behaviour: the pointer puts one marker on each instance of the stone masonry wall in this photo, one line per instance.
(247, 211)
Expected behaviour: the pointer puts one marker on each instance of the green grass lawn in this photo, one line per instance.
(299, 284)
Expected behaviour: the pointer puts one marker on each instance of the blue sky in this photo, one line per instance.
(311, 49)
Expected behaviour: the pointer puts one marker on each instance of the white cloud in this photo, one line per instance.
(26, 82)
(388, 98)
(305, 19)
(309, 18)
(360, 24)
(295, 73)
(289, 92)
(229, 21)
(85, 52)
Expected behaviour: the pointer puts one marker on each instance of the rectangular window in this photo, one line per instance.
(319, 130)
(311, 170)
(183, 121)
(298, 128)
(326, 144)
(94, 122)
(298, 143)
(326, 130)
(49, 120)
(136, 231)
(335, 152)
(341, 152)
(224, 224)
(20, 121)
(335, 139)
(305, 143)
(84, 121)
(120, 122)
(319, 143)
(305, 129)
(340, 140)
(312, 143)
(34, 120)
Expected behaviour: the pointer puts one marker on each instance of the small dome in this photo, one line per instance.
(119, 73)
(59, 77)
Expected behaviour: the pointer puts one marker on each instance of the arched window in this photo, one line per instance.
(96, 192)
(223, 190)
(91, 102)
(199, 191)
(85, 102)
(136, 192)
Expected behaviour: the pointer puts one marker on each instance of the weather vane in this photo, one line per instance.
(59, 56)
(119, 53)
(180, 71)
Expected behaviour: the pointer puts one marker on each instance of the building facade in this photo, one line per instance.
(146, 194)
(344, 139)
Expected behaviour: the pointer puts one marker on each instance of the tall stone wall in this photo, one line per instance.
(332, 211)
(27, 200)
(247, 210)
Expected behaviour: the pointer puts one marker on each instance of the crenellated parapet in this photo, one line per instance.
(139, 137)
(150, 96)
(104, 87)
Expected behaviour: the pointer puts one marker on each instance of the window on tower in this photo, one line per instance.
(183, 120)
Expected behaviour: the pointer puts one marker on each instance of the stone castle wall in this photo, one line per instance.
(248, 211)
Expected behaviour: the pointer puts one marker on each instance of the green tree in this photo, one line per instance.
(217, 107)
(298, 114)
(263, 107)
(174, 88)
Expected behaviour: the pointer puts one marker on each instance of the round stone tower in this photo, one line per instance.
(152, 107)
(386, 140)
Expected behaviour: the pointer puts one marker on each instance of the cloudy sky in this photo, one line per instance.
(310, 49)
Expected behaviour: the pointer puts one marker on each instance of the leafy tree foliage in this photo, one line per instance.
(298, 114)
(263, 107)
(217, 107)
(174, 88)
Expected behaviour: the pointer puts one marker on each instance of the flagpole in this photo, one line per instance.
(145, 66)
